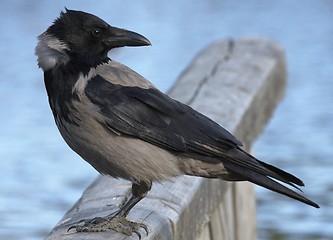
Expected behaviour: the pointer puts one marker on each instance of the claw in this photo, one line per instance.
(72, 227)
(94, 221)
(76, 226)
(84, 221)
(144, 226)
(137, 233)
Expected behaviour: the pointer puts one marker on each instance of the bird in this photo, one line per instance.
(126, 128)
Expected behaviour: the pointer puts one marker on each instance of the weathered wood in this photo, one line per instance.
(236, 83)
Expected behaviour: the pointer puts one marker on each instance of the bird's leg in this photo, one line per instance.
(117, 221)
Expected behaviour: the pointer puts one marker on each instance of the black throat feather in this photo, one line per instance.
(59, 83)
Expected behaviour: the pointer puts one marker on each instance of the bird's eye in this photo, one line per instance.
(96, 32)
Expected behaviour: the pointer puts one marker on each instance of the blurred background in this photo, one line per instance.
(41, 178)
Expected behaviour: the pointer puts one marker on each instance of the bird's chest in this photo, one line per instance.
(72, 114)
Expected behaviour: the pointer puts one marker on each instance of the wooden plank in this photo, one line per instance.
(222, 220)
(244, 211)
(226, 211)
(205, 233)
(236, 83)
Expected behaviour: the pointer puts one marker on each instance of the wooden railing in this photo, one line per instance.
(237, 84)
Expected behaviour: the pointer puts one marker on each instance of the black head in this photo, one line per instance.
(89, 38)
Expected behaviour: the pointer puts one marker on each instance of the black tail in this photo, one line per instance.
(261, 173)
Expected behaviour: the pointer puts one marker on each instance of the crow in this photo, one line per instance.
(123, 126)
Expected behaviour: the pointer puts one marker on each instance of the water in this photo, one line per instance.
(40, 177)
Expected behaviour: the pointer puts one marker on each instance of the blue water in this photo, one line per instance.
(40, 177)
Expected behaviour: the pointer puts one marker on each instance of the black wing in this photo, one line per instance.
(156, 118)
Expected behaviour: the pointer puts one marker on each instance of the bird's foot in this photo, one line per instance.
(117, 223)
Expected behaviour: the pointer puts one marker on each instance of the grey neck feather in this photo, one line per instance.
(50, 51)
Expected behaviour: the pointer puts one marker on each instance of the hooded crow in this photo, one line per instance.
(124, 127)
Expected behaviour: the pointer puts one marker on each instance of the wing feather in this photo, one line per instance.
(156, 118)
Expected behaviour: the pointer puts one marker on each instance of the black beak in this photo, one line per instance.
(120, 37)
